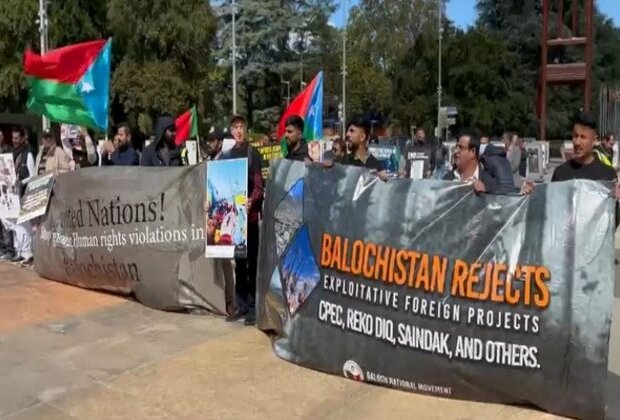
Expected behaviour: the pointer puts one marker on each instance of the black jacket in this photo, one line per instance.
(154, 155)
(123, 156)
(498, 168)
(416, 150)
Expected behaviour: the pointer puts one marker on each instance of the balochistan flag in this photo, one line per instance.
(309, 106)
(71, 84)
(187, 126)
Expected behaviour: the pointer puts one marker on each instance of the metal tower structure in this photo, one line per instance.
(579, 35)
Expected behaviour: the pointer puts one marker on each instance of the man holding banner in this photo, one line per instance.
(358, 134)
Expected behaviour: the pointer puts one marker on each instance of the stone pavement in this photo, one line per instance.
(67, 353)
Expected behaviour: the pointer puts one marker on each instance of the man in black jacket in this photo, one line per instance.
(420, 149)
(494, 176)
(164, 151)
(122, 154)
(297, 146)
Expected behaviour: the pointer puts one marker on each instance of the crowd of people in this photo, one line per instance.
(487, 167)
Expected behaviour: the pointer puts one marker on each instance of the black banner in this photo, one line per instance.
(427, 287)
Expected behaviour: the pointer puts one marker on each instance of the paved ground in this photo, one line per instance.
(67, 353)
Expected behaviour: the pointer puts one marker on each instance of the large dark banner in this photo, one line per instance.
(426, 287)
(132, 231)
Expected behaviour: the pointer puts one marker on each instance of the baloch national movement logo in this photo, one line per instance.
(351, 370)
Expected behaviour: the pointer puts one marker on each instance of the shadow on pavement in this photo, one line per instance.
(613, 396)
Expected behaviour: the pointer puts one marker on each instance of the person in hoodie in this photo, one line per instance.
(488, 173)
(245, 268)
(122, 153)
(163, 151)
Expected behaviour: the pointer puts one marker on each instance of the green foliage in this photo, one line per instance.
(161, 50)
(273, 37)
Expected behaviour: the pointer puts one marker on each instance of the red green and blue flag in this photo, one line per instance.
(71, 84)
(309, 106)
(187, 126)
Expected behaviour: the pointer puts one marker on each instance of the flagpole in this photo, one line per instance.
(43, 26)
(234, 57)
(344, 68)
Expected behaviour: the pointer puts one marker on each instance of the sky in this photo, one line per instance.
(463, 12)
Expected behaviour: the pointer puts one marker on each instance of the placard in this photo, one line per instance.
(226, 221)
(36, 198)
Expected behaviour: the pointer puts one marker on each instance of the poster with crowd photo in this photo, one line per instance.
(226, 219)
(134, 231)
(9, 190)
(36, 197)
(269, 154)
(511, 306)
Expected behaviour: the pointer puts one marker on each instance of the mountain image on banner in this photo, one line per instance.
(289, 215)
(309, 106)
(300, 271)
(71, 84)
(187, 126)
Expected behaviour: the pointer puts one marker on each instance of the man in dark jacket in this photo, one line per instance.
(420, 149)
(163, 151)
(297, 147)
(497, 165)
(123, 154)
(494, 176)
(245, 268)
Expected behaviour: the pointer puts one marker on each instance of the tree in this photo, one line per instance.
(483, 82)
(162, 56)
(272, 36)
(519, 24)
(392, 43)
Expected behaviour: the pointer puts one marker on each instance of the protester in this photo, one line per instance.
(163, 151)
(494, 159)
(358, 134)
(339, 150)
(80, 149)
(420, 148)
(297, 147)
(24, 169)
(469, 168)
(440, 160)
(121, 152)
(605, 150)
(51, 159)
(212, 147)
(7, 249)
(513, 154)
(484, 142)
(523, 162)
(245, 268)
(584, 164)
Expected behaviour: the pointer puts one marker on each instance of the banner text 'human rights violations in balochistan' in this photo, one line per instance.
(133, 230)
(427, 287)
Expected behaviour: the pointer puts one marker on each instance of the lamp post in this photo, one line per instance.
(288, 92)
(43, 27)
(344, 66)
(439, 87)
(234, 57)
